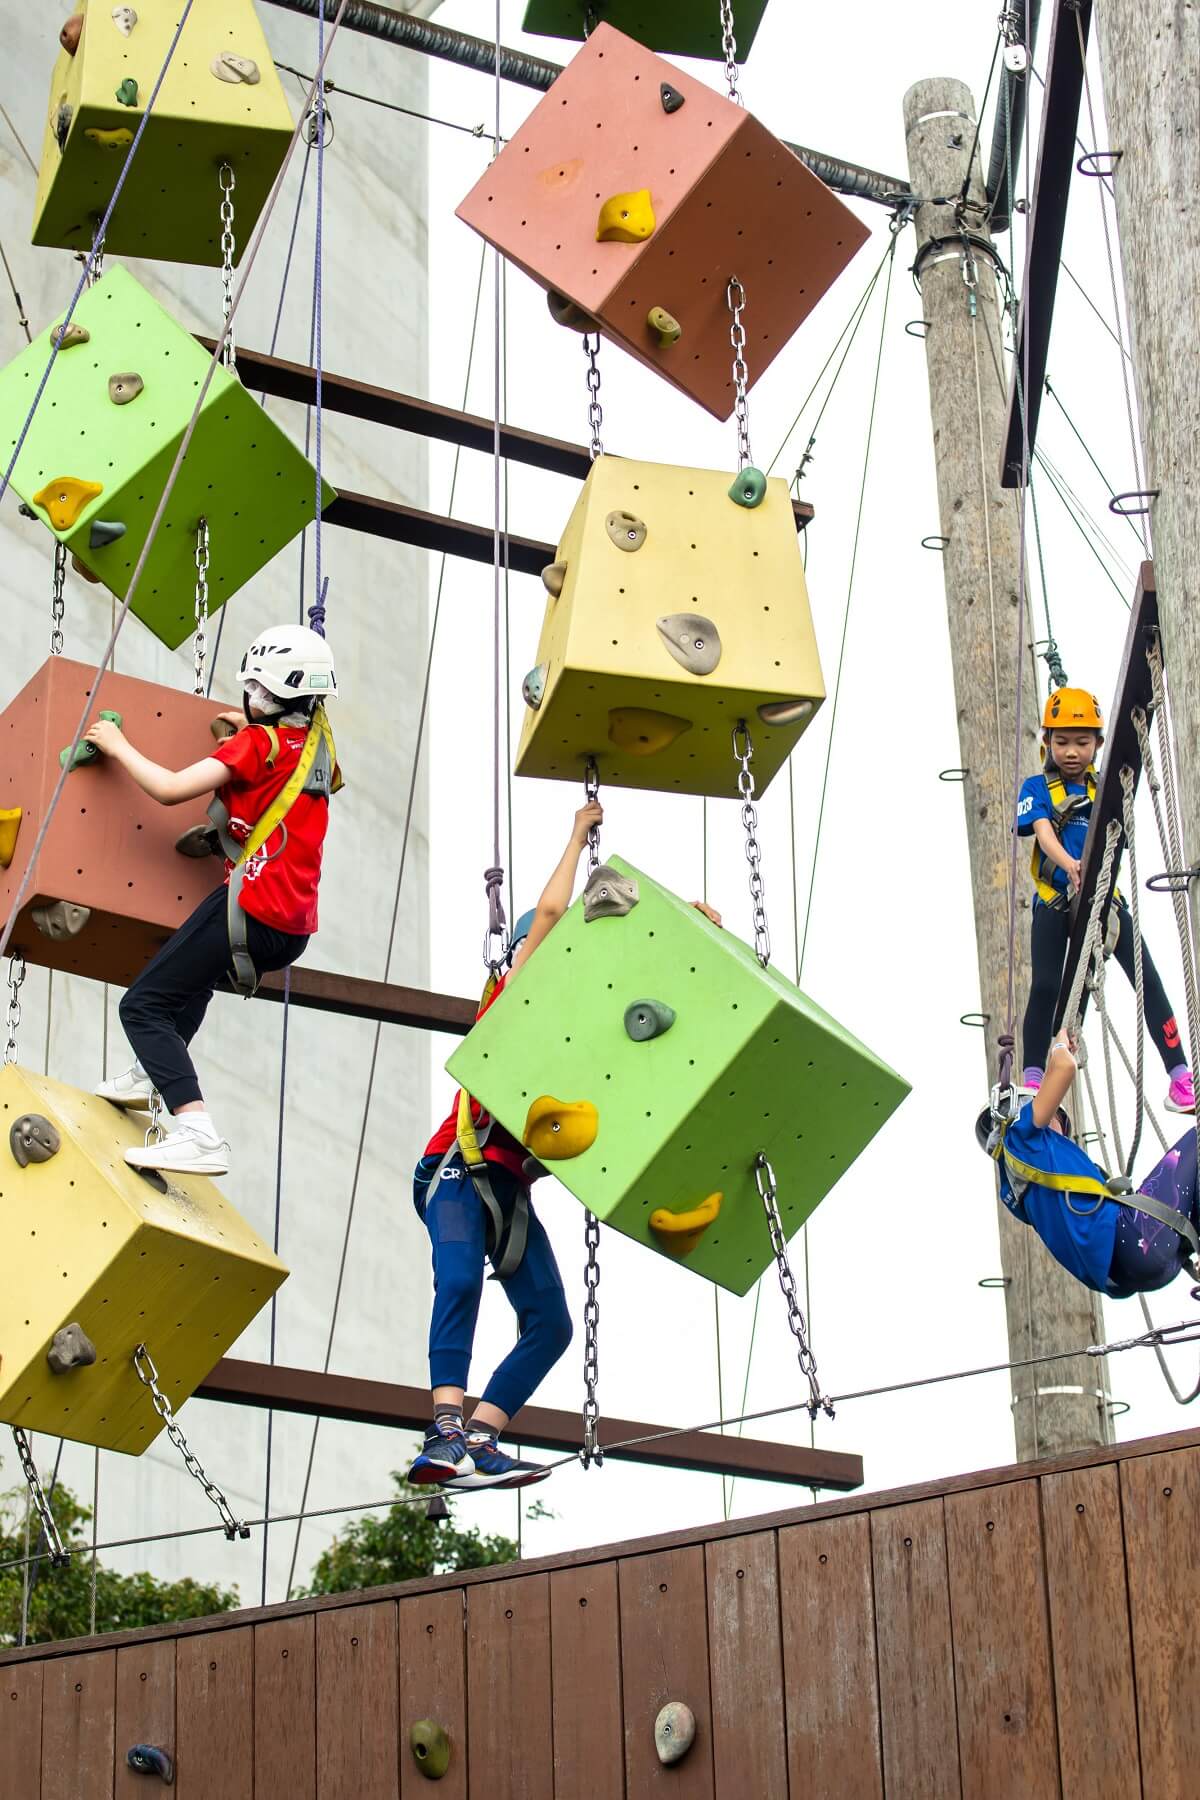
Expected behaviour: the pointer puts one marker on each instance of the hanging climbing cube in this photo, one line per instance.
(220, 102)
(110, 850)
(103, 441)
(678, 27)
(654, 562)
(685, 199)
(684, 1103)
(130, 1259)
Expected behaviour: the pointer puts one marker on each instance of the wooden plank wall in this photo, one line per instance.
(1030, 1633)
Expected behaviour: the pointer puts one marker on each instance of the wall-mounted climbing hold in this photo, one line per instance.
(10, 825)
(670, 96)
(558, 1129)
(643, 732)
(430, 1746)
(565, 312)
(626, 531)
(84, 752)
(692, 640)
(127, 93)
(124, 18)
(64, 499)
(70, 1347)
(784, 712)
(553, 576)
(71, 32)
(646, 1019)
(104, 531)
(125, 387)
(679, 1232)
(626, 219)
(67, 336)
(608, 894)
(61, 919)
(228, 67)
(151, 1759)
(749, 487)
(33, 1139)
(674, 1731)
(82, 569)
(534, 686)
(533, 1170)
(198, 840)
(62, 124)
(116, 139)
(665, 326)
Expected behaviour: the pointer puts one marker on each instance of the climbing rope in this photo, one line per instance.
(1093, 940)
(147, 1374)
(1173, 847)
(225, 177)
(316, 612)
(200, 640)
(1139, 980)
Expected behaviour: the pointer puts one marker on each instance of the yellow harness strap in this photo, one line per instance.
(275, 814)
(1061, 1184)
(468, 1137)
(1064, 805)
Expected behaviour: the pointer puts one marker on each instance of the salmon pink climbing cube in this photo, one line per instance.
(727, 199)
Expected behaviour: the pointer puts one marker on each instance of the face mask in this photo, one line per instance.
(258, 703)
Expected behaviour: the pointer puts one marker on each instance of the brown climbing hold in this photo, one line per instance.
(674, 1731)
(71, 33)
(125, 387)
(565, 312)
(693, 640)
(65, 498)
(665, 326)
(61, 919)
(33, 1139)
(67, 336)
(82, 569)
(626, 530)
(680, 1232)
(626, 219)
(553, 576)
(641, 731)
(70, 1348)
(228, 67)
(784, 712)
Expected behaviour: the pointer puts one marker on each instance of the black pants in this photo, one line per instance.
(1048, 933)
(164, 1008)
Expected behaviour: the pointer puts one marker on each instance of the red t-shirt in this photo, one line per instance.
(280, 888)
(501, 1147)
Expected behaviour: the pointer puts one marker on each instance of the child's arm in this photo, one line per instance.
(556, 895)
(1050, 847)
(170, 787)
(1061, 1069)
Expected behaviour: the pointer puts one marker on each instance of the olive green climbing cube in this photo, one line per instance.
(747, 1064)
(677, 27)
(100, 449)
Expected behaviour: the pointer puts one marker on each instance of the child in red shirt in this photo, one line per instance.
(266, 911)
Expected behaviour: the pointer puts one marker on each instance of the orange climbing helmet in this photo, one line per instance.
(1073, 709)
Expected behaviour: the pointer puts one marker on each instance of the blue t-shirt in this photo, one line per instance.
(1082, 1240)
(1034, 803)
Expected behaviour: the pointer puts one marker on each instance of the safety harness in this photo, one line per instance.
(1064, 806)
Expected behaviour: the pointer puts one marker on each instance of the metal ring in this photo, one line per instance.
(909, 328)
(995, 1281)
(1111, 157)
(1116, 1409)
(976, 1020)
(1173, 881)
(1133, 512)
(310, 125)
(953, 774)
(934, 542)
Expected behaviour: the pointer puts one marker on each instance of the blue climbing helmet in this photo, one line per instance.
(520, 932)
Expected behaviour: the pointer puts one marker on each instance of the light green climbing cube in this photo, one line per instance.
(748, 1064)
(242, 472)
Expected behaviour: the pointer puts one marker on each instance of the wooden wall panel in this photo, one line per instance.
(78, 1696)
(433, 1685)
(214, 1711)
(829, 1656)
(585, 1651)
(1089, 1627)
(358, 1754)
(1003, 1679)
(285, 1709)
(918, 1709)
(664, 1656)
(145, 1709)
(745, 1649)
(1161, 1502)
(21, 1731)
(511, 1748)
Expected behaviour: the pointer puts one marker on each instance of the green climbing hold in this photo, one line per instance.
(127, 93)
(646, 1019)
(430, 1746)
(749, 487)
(85, 752)
(565, 312)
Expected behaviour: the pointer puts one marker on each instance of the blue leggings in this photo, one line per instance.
(1147, 1254)
(454, 1217)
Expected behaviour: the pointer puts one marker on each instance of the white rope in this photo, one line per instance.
(1092, 936)
(1171, 838)
(1139, 973)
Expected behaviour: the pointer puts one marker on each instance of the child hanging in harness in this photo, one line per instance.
(1114, 1240)
(1054, 808)
(271, 781)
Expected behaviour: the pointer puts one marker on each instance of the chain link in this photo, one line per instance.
(200, 647)
(591, 1451)
(58, 605)
(735, 298)
(60, 1556)
(729, 45)
(16, 975)
(591, 791)
(743, 750)
(228, 246)
(147, 1374)
(764, 1181)
(155, 1132)
(591, 349)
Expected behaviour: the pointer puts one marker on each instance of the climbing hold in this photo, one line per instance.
(646, 1019)
(104, 531)
(62, 124)
(671, 97)
(665, 326)
(82, 569)
(124, 18)
(26, 512)
(553, 576)
(608, 894)
(430, 1746)
(565, 312)
(71, 32)
(228, 67)
(557, 1129)
(437, 1512)
(626, 531)
(10, 825)
(33, 1139)
(642, 731)
(749, 487)
(692, 640)
(84, 753)
(198, 841)
(70, 1348)
(150, 1759)
(64, 499)
(67, 336)
(784, 712)
(221, 729)
(125, 387)
(61, 919)
(679, 1233)
(127, 93)
(626, 219)
(533, 1170)
(674, 1731)
(117, 139)
(534, 686)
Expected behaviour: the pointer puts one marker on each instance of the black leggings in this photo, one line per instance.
(164, 1008)
(1048, 933)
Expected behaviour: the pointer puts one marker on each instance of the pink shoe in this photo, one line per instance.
(1181, 1095)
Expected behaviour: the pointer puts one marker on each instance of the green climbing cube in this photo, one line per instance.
(93, 461)
(749, 1063)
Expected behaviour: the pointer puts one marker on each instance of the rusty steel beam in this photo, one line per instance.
(356, 998)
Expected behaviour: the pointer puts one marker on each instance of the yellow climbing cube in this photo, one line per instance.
(674, 611)
(123, 1257)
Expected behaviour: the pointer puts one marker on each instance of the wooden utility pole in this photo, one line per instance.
(1061, 1406)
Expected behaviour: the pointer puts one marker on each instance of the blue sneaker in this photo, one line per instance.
(444, 1459)
(494, 1467)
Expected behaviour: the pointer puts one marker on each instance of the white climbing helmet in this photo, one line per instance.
(292, 662)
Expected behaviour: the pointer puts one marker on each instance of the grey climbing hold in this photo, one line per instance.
(533, 1170)
(67, 336)
(125, 387)
(61, 919)
(151, 1759)
(26, 512)
(33, 1139)
(609, 894)
(671, 97)
(127, 93)
(70, 1348)
(626, 530)
(430, 1746)
(565, 312)
(534, 686)
(198, 841)
(124, 18)
(749, 487)
(104, 531)
(553, 576)
(674, 1731)
(693, 640)
(646, 1019)
(62, 124)
(228, 67)
(784, 712)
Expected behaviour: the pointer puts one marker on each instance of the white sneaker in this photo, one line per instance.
(133, 1088)
(184, 1151)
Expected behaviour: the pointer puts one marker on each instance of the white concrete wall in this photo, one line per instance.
(374, 328)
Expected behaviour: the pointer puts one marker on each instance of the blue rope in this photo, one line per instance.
(316, 612)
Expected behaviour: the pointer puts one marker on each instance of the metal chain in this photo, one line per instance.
(743, 751)
(764, 1181)
(147, 1374)
(200, 647)
(58, 605)
(155, 1132)
(735, 298)
(591, 1451)
(60, 1556)
(591, 349)
(729, 45)
(591, 791)
(228, 246)
(16, 975)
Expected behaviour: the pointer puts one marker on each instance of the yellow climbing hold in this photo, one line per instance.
(557, 1129)
(64, 499)
(642, 731)
(10, 824)
(665, 326)
(679, 1233)
(626, 219)
(117, 139)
